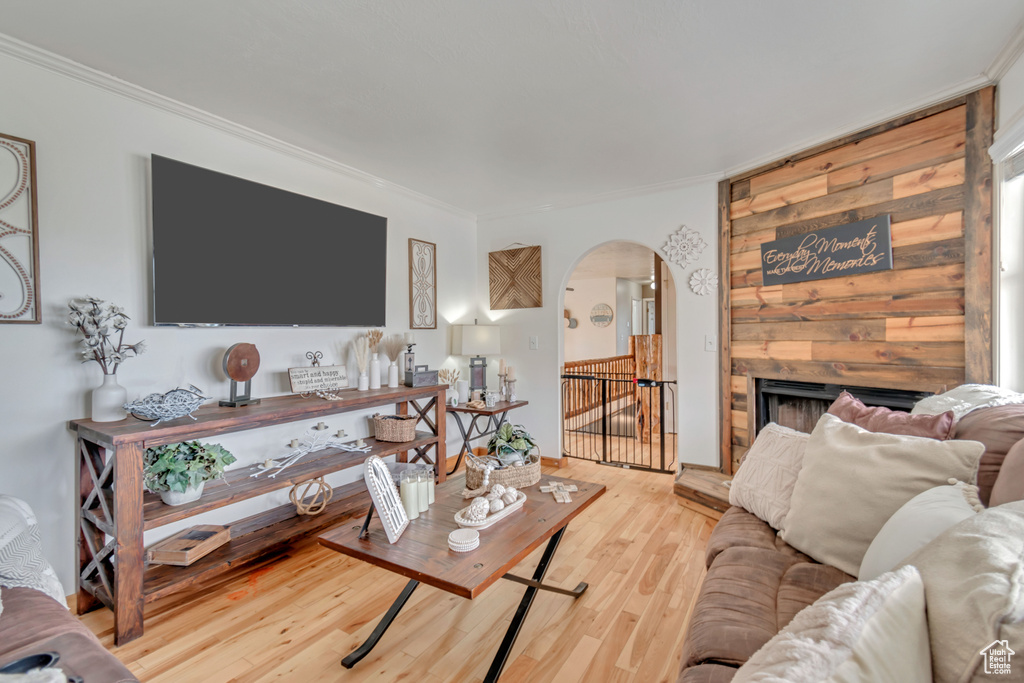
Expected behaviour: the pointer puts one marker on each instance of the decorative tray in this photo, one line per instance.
(491, 518)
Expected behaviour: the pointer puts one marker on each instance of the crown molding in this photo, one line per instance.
(610, 195)
(962, 88)
(54, 63)
(1007, 56)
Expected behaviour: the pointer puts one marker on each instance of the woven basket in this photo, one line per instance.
(395, 428)
(517, 476)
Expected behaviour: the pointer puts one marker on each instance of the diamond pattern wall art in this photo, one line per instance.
(422, 285)
(515, 280)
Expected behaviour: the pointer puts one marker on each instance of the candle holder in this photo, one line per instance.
(511, 384)
(502, 386)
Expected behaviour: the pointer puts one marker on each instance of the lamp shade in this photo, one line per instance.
(476, 340)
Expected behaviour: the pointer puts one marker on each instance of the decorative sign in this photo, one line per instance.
(19, 232)
(318, 378)
(851, 249)
(514, 276)
(601, 315)
(422, 285)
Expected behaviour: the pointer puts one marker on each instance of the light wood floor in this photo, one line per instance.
(294, 618)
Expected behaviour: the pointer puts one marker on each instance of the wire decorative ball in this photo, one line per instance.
(317, 503)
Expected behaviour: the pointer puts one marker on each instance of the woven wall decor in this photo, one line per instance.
(19, 232)
(515, 278)
(422, 285)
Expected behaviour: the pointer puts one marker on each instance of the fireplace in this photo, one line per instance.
(799, 405)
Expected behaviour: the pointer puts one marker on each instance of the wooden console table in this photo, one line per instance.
(113, 503)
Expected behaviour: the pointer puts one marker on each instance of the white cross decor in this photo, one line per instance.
(560, 491)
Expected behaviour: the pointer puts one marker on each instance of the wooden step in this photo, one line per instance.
(704, 489)
(258, 536)
(237, 485)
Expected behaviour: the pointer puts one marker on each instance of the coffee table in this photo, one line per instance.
(422, 553)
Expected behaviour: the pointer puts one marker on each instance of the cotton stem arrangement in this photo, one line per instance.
(393, 346)
(102, 326)
(361, 350)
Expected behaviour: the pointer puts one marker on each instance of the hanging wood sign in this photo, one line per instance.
(861, 247)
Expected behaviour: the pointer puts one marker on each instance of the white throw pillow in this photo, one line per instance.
(764, 482)
(974, 585)
(965, 398)
(916, 524)
(861, 631)
(852, 481)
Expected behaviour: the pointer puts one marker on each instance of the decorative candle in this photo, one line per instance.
(409, 492)
(510, 373)
(341, 434)
(501, 366)
(423, 492)
(294, 443)
(430, 486)
(321, 426)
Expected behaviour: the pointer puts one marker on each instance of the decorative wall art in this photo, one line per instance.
(601, 315)
(703, 281)
(684, 247)
(860, 247)
(422, 285)
(19, 232)
(515, 278)
(385, 498)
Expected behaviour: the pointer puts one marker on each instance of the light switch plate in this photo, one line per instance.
(709, 343)
(534, 343)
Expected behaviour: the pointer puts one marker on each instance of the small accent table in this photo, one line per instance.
(495, 416)
(422, 555)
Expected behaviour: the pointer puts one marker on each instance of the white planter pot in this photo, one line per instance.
(177, 498)
(108, 401)
(374, 372)
(364, 381)
(393, 374)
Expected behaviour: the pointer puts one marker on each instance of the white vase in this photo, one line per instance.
(374, 372)
(178, 498)
(364, 381)
(393, 374)
(108, 401)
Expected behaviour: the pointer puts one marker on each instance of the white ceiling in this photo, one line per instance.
(498, 106)
(616, 259)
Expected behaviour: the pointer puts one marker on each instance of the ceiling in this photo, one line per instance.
(494, 107)
(616, 259)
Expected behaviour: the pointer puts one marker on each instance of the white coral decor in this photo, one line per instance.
(703, 281)
(684, 247)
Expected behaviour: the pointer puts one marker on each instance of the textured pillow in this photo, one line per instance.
(916, 524)
(965, 398)
(1009, 486)
(852, 481)
(764, 482)
(999, 429)
(849, 408)
(860, 631)
(974, 586)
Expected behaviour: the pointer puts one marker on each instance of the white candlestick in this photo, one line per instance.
(409, 494)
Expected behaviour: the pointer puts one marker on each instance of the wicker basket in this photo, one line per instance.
(395, 428)
(516, 476)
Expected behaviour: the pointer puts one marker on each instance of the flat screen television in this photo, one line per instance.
(228, 251)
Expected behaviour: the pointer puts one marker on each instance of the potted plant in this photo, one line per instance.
(510, 444)
(178, 471)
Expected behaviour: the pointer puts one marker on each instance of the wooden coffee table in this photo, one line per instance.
(422, 553)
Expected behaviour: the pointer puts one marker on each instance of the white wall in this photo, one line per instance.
(588, 340)
(626, 292)
(1010, 94)
(565, 236)
(92, 152)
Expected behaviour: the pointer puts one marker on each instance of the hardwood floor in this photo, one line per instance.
(294, 617)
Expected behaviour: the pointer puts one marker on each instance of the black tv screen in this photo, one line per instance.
(228, 251)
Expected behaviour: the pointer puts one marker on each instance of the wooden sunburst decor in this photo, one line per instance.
(515, 278)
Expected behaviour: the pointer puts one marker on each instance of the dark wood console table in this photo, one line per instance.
(113, 503)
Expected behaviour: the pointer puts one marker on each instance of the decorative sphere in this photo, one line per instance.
(497, 505)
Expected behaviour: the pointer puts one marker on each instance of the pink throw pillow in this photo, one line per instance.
(849, 408)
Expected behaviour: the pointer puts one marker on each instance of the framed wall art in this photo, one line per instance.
(422, 285)
(514, 276)
(19, 232)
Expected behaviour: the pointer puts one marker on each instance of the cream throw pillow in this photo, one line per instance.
(974, 585)
(860, 631)
(853, 481)
(764, 482)
(916, 524)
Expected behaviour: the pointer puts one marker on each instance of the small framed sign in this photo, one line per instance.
(385, 497)
(851, 249)
(318, 378)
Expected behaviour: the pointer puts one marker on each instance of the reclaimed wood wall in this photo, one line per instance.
(925, 325)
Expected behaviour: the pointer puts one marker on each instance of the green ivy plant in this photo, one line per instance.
(510, 443)
(178, 466)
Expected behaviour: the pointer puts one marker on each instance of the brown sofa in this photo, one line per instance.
(756, 583)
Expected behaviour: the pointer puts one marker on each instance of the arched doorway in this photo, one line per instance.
(619, 359)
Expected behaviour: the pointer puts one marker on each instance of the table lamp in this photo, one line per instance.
(476, 341)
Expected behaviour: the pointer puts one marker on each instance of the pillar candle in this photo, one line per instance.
(409, 493)
(423, 492)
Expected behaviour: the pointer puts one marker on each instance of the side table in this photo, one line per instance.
(495, 417)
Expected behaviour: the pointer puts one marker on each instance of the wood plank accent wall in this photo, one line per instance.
(925, 325)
